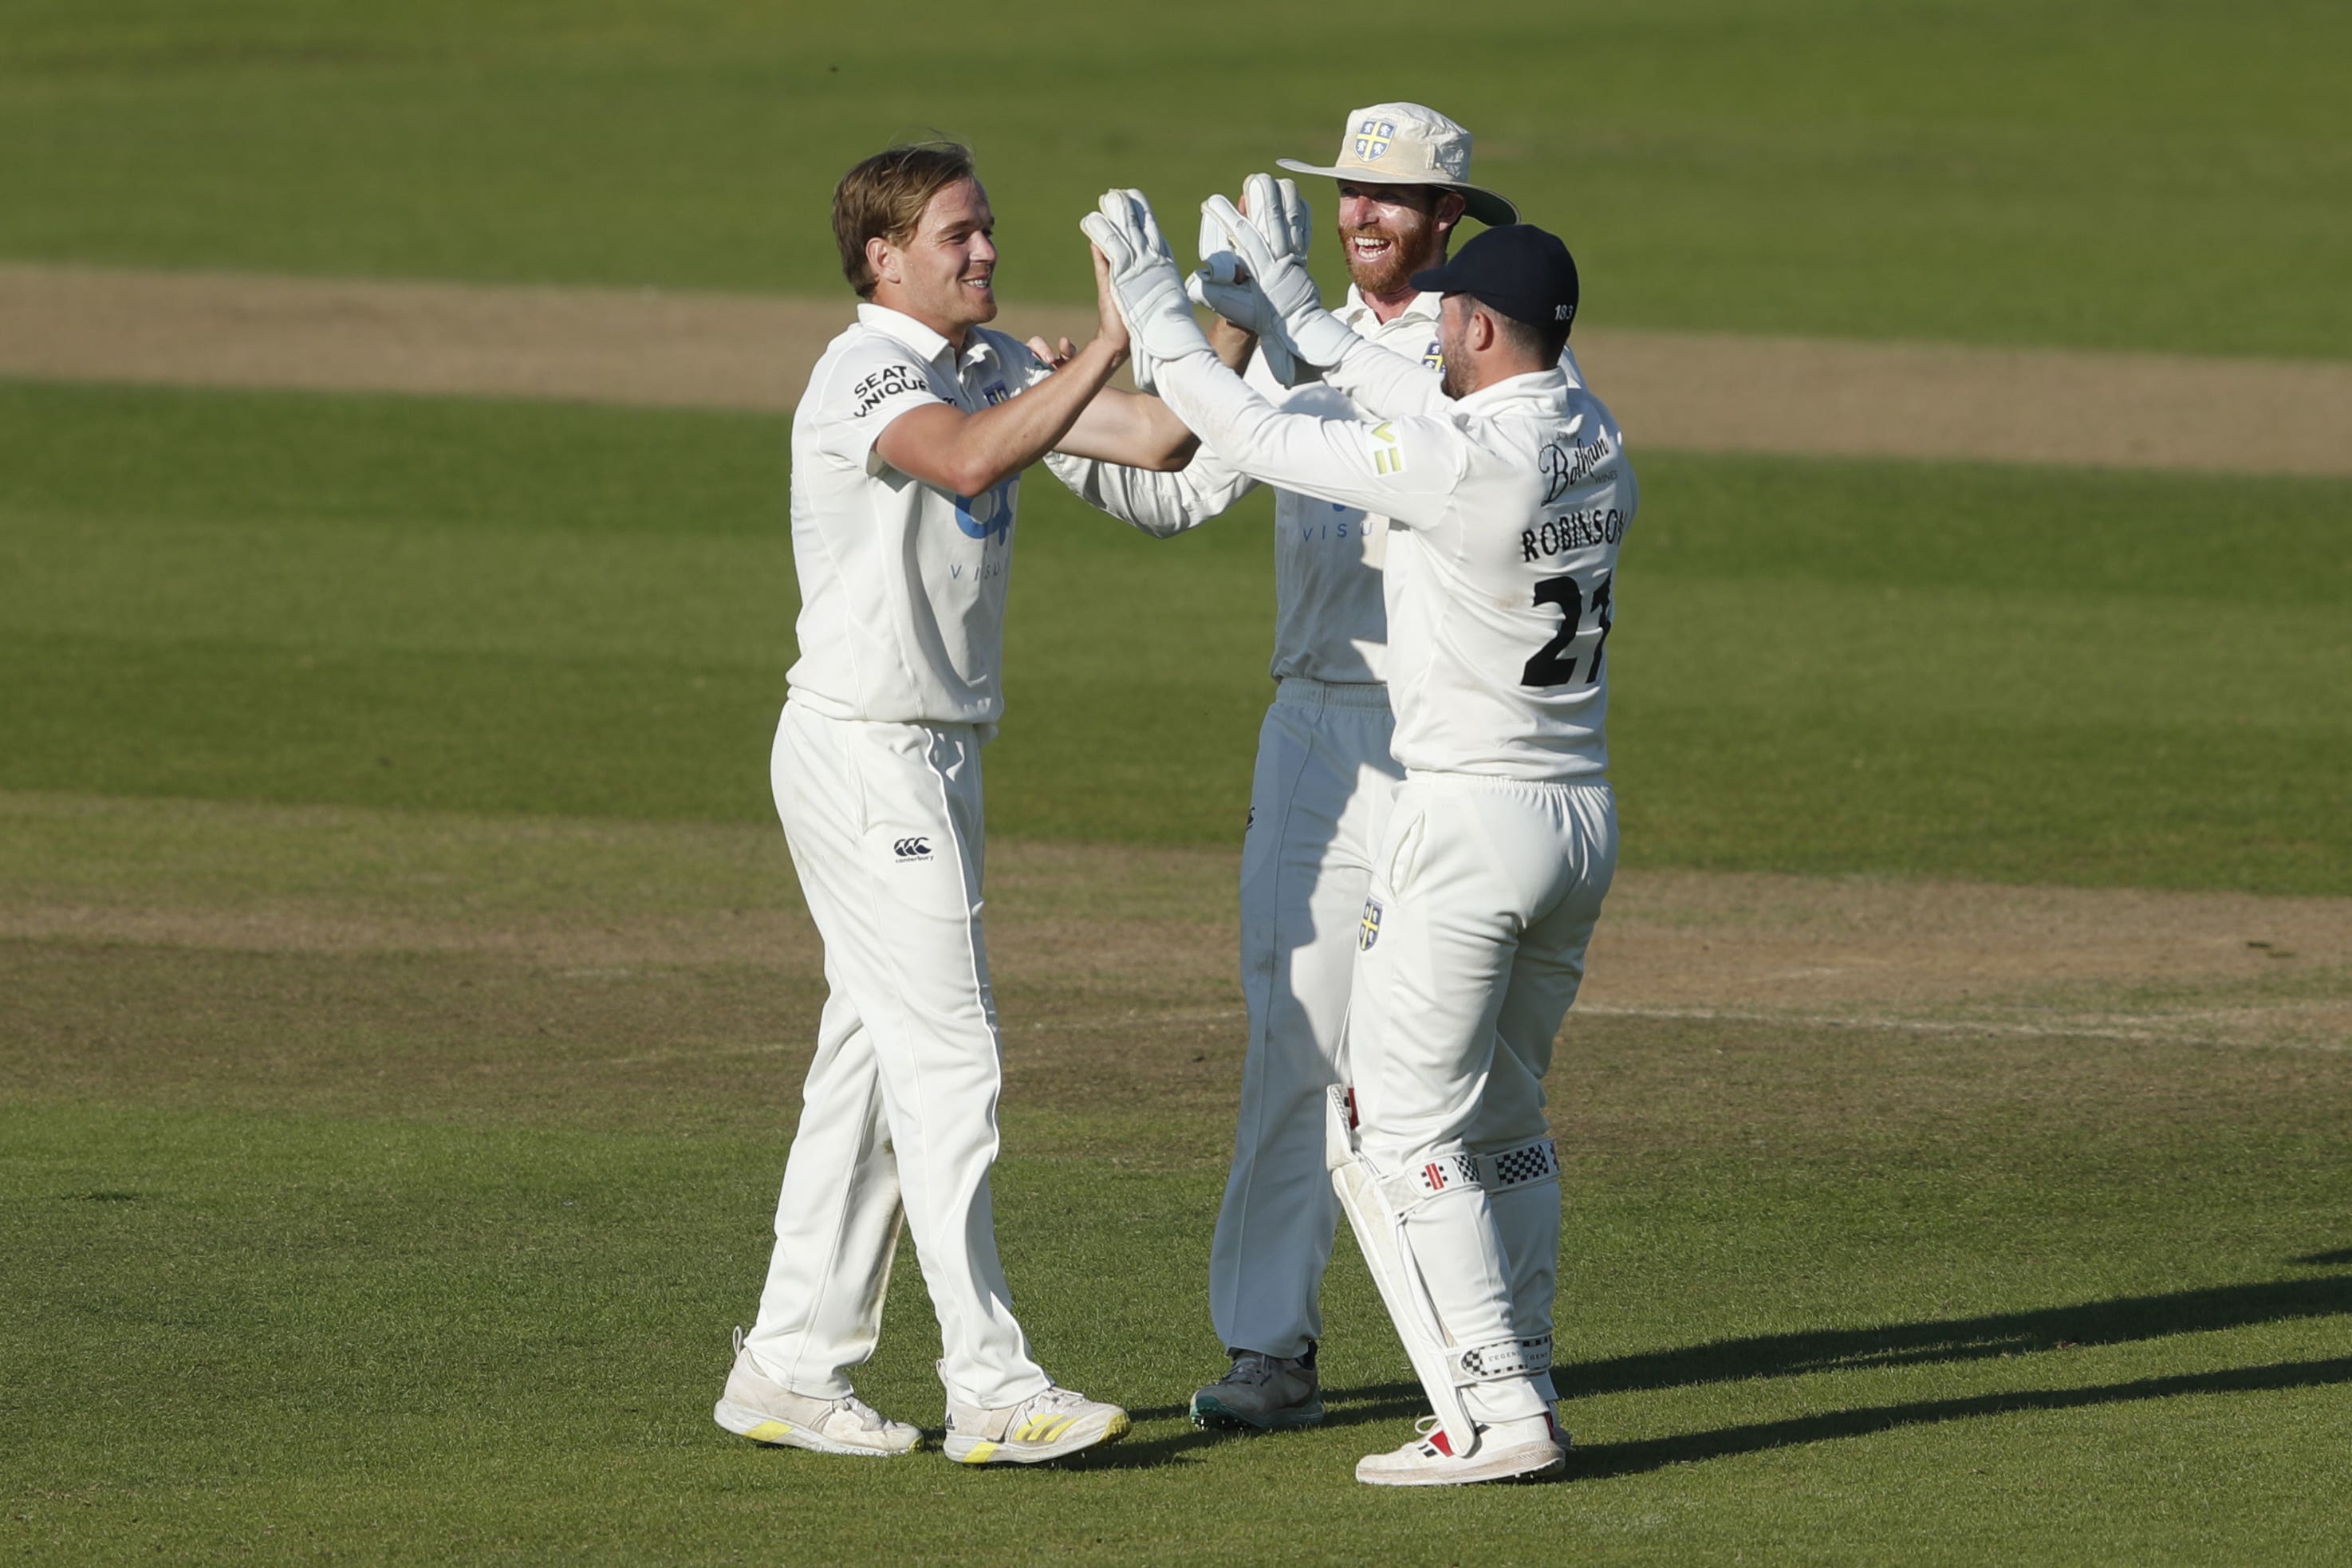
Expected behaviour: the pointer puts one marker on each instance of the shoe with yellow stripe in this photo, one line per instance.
(1050, 1425)
(756, 1406)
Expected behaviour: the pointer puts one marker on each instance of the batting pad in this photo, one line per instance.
(1376, 1210)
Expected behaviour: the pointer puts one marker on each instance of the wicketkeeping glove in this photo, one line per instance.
(1143, 278)
(1224, 284)
(1277, 267)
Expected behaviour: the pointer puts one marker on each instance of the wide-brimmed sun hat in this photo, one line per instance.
(1410, 145)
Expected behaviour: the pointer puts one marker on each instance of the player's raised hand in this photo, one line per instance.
(1277, 211)
(1134, 267)
(1223, 282)
(1271, 247)
(1050, 357)
(1114, 319)
(1111, 327)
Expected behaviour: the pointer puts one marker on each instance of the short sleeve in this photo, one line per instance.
(1017, 366)
(866, 388)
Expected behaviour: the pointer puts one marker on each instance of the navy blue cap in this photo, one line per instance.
(1517, 268)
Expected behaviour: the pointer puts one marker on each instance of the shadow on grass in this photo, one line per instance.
(1602, 1460)
(2117, 1321)
(1152, 1454)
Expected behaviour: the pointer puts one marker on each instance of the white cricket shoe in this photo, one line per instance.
(1518, 1450)
(1049, 1424)
(757, 1406)
(1262, 1393)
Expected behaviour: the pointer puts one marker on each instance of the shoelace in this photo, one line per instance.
(1250, 1371)
(868, 1419)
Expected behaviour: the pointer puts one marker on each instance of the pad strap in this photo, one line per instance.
(1441, 1174)
(1504, 1358)
(1520, 1166)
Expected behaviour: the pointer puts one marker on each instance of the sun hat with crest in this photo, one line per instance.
(1410, 145)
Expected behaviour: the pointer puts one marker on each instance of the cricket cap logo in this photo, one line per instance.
(1409, 144)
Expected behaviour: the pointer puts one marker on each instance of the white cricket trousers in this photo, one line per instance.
(1319, 802)
(899, 1110)
(1483, 897)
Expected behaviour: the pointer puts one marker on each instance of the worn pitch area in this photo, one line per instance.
(362, 963)
(1690, 391)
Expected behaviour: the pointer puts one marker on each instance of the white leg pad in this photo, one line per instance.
(1376, 1208)
(1522, 1184)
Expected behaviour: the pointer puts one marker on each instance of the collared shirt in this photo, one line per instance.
(1331, 611)
(902, 584)
(1505, 513)
(1330, 615)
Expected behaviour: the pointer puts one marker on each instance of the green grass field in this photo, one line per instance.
(2108, 172)
(2019, 674)
(381, 1182)
(406, 991)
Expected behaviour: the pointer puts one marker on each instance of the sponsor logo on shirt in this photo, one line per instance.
(1565, 467)
(987, 516)
(891, 381)
(914, 849)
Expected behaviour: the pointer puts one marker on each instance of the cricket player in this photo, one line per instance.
(907, 452)
(1324, 774)
(1507, 492)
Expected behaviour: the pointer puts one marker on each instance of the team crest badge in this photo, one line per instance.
(1370, 931)
(1372, 138)
(1434, 356)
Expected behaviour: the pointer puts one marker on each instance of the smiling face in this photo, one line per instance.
(1387, 233)
(945, 273)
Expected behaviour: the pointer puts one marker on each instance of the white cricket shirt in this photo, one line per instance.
(1330, 612)
(1330, 617)
(1505, 509)
(902, 584)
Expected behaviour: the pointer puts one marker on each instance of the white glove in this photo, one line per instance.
(1224, 284)
(1144, 280)
(1277, 266)
(1141, 364)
